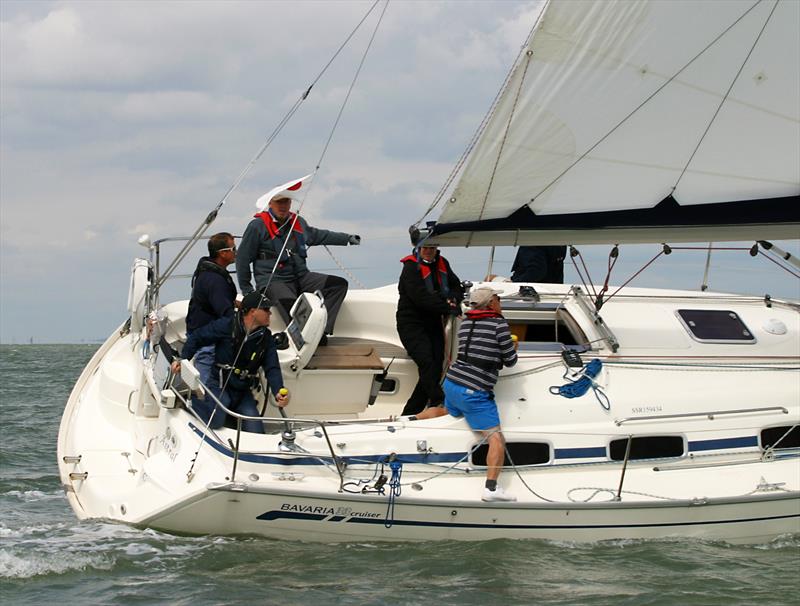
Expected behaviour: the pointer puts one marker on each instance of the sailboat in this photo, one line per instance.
(620, 122)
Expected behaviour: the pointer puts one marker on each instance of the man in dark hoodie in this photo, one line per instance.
(429, 293)
(213, 295)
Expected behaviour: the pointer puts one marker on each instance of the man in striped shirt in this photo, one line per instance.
(484, 347)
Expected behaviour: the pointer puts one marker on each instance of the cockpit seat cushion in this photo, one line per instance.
(345, 357)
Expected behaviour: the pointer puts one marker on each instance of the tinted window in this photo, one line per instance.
(647, 447)
(389, 385)
(771, 436)
(522, 453)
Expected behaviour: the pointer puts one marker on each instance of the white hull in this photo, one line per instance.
(714, 399)
(288, 515)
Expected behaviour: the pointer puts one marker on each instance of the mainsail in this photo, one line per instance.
(643, 121)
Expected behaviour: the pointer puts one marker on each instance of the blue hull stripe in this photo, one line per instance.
(742, 442)
(454, 457)
(580, 453)
(291, 515)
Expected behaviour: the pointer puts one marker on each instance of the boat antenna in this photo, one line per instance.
(213, 214)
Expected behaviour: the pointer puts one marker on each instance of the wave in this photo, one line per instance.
(14, 566)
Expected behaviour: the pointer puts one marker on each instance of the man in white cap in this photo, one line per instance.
(484, 347)
(275, 244)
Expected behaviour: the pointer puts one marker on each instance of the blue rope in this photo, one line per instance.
(394, 491)
(578, 387)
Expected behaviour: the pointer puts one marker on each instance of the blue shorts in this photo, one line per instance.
(477, 407)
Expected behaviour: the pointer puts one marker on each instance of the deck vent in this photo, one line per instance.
(522, 453)
(715, 326)
(771, 437)
(647, 447)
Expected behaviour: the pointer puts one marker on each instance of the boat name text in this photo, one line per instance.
(328, 511)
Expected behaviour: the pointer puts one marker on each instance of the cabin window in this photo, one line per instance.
(785, 436)
(543, 331)
(715, 326)
(522, 453)
(539, 325)
(647, 447)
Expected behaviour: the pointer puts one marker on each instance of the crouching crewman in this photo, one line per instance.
(242, 344)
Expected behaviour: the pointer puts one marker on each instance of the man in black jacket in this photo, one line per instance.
(429, 293)
(213, 295)
(539, 264)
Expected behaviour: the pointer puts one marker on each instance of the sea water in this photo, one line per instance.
(48, 557)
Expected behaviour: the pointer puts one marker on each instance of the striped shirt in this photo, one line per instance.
(490, 348)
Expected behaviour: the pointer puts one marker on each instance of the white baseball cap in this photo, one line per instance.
(290, 189)
(480, 297)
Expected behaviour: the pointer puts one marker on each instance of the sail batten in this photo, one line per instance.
(627, 104)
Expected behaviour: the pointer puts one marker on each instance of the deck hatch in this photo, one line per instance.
(715, 326)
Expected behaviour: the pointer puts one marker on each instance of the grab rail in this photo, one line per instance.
(322, 425)
(710, 415)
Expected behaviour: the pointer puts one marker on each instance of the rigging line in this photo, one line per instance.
(725, 97)
(628, 281)
(353, 83)
(343, 268)
(644, 102)
(782, 266)
(324, 152)
(213, 214)
(590, 289)
(482, 126)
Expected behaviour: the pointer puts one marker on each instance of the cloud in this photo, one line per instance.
(122, 118)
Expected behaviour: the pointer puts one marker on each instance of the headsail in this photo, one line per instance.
(641, 121)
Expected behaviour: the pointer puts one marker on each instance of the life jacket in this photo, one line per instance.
(427, 273)
(206, 264)
(474, 315)
(250, 349)
(295, 245)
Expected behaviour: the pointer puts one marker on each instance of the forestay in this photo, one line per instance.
(641, 122)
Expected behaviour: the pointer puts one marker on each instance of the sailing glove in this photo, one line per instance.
(354, 240)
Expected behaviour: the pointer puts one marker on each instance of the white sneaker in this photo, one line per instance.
(497, 495)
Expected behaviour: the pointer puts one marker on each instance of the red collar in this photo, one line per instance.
(480, 314)
(273, 229)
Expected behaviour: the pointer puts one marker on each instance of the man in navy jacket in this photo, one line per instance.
(213, 295)
(242, 344)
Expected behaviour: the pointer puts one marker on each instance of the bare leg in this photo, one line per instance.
(496, 454)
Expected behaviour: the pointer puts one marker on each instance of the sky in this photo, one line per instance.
(124, 118)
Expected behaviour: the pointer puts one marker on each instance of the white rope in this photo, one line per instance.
(343, 268)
